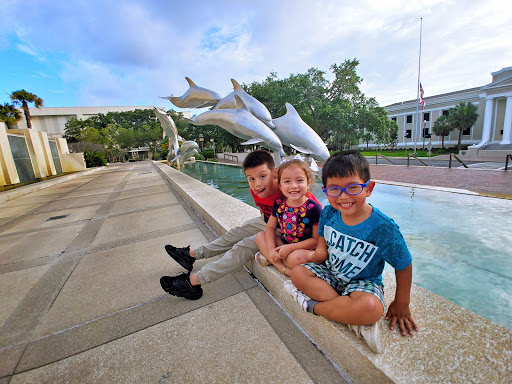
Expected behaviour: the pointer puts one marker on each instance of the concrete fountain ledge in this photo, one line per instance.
(453, 345)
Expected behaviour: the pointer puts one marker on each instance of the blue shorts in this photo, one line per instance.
(342, 287)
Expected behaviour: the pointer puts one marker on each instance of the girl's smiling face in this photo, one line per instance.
(294, 185)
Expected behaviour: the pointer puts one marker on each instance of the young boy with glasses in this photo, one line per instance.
(343, 281)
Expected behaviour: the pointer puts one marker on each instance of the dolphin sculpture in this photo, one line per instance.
(255, 106)
(293, 131)
(187, 150)
(170, 131)
(241, 123)
(195, 97)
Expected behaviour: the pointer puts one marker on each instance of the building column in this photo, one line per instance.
(486, 132)
(507, 125)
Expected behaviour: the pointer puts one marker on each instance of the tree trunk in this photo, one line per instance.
(460, 139)
(442, 142)
(24, 106)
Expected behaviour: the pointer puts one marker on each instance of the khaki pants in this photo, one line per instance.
(240, 246)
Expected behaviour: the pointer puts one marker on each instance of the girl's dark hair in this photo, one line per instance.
(257, 158)
(299, 163)
(344, 164)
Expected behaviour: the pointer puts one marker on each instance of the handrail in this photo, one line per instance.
(233, 157)
(412, 154)
(456, 158)
(509, 156)
(384, 157)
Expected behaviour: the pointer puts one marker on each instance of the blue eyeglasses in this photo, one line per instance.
(352, 189)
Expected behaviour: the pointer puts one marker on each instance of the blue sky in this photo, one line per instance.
(105, 53)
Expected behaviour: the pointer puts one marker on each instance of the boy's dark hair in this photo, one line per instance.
(257, 158)
(344, 164)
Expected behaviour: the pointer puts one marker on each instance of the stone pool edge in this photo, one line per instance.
(453, 344)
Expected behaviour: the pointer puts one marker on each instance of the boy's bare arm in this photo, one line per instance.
(320, 254)
(398, 311)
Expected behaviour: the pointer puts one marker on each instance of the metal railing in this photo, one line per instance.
(377, 155)
(509, 156)
(409, 155)
(456, 158)
(231, 157)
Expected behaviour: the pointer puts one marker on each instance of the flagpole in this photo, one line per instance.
(417, 122)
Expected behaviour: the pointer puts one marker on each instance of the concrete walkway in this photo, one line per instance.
(80, 263)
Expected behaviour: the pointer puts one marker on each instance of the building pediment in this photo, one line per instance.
(500, 84)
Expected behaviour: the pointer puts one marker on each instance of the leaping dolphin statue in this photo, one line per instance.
(195, 97)
(255, 106)
(241, 123)
(187, 150)
(170, 131)
(293, 131)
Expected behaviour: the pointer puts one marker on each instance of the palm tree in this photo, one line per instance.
(442, 128)
(9, 114)
(22, 98)
(462, 116)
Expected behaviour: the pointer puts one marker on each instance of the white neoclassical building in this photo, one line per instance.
(492, 130)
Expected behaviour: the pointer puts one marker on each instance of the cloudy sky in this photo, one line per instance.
(105, 53)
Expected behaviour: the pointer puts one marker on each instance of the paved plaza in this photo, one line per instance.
(80, 263)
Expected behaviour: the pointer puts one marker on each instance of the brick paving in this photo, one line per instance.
(484, 181)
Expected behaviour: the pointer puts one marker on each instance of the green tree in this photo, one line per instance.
(461, 117)
(441, 128)
(74, 129)
(337, 110)
(9, 114)
(22, 98)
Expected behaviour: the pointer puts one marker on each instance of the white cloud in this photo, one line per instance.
(131, 52)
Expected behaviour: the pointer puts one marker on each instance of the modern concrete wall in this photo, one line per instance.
(40, 156)
(9, 172)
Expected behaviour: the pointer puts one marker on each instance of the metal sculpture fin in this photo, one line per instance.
(252, 141)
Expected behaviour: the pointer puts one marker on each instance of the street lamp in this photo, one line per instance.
(201, 139)
(213, 146)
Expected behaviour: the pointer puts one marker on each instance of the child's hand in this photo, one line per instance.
(283, 251)
(273, 255)
(399, 312)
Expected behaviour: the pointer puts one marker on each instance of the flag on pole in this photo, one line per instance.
(422, 102)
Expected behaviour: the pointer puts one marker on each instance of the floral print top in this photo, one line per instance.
(296, 223)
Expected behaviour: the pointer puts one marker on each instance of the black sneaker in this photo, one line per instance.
(181, 255)
(180, 286)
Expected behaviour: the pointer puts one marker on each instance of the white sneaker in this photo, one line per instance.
(370, 333)
(260, 259)
(299, 296)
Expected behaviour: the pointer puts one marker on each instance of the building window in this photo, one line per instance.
(425, 133)
(501, 132)
(408, 134)
(409, 119)
(426, 116)
(466, 132)
(393, 118)
(446, 113)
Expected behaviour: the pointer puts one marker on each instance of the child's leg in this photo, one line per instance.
(313, 286)
(298, 257)
(357, 308)
(226, 242)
